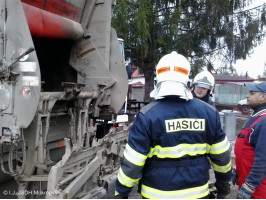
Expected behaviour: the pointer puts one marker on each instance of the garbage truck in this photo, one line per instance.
(62, 82)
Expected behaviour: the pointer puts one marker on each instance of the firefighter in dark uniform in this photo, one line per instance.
(203, 84)
(250, 151)
(171, 140)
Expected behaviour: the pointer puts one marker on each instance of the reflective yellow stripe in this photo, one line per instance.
(222, 169)
(178, 151)
(134, 157)
(125, 180)
(219, 148)
(190, 193)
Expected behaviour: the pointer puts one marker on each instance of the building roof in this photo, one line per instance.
(220, 79)
(137, 84)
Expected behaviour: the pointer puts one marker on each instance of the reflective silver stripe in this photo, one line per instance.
(134, 157)
(178, 151)
(220, 147)
(125, 180)
(190, 193)
(222, 169)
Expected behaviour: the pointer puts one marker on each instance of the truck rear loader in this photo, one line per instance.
(62, 81)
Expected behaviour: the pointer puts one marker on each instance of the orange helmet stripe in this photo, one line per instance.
(181, 70)
(163, 69)
(176, 69)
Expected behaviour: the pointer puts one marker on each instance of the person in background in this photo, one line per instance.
(171, 140)
(250, 151)
(203, 84)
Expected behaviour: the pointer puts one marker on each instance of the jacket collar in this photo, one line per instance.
(259, 110)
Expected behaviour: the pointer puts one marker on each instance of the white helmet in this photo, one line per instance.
(172, 74)
(173, 67)
(205, 80)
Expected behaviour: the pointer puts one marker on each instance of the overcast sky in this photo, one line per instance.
(255, 64)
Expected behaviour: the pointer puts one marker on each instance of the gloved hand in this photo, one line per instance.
(119, 196)
(245, 192)
(234, 177)
(223, 190)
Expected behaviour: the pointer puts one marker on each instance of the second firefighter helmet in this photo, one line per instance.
(172, 74)
(205, 80)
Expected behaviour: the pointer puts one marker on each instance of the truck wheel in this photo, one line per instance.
(244, 109)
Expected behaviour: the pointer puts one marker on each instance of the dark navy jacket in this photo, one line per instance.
(168, 149)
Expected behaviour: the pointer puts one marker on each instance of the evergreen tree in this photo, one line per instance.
(201, 30)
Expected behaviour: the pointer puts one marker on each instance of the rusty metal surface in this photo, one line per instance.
(70, 9)
(49, 25)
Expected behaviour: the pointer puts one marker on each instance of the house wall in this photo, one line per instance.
(230, 94)
(137, 93)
